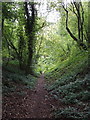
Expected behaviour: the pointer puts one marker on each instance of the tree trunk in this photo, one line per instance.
(30, 21)
(89, 35)
(79, 40)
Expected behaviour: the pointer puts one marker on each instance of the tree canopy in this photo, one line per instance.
(51, 39)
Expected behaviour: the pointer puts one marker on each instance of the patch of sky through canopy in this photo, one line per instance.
(43, 11)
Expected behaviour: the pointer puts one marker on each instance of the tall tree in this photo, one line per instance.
(77, 9)
(30, 30)
(13, 31)
(89, 35)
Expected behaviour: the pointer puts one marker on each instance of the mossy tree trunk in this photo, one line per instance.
(89, 35)
(30, 31)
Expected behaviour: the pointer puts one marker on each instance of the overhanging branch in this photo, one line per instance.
(67, 28)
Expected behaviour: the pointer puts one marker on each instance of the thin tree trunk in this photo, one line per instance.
(78, 40)
(89, 35)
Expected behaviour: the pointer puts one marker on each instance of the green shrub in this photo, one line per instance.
(13, 77)
(72, 112)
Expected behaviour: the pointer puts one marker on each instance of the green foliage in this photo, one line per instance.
(69, 83)
(12, 76)
(54, 52)
(71, 112)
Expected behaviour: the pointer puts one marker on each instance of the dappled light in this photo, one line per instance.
(46, 59)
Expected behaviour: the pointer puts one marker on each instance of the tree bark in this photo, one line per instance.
(79, 40)
(30, 22)
(89, 35)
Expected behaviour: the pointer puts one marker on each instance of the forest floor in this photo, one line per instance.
(26, 103)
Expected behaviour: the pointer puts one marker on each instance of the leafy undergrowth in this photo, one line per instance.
(69, 83)
(13, 77)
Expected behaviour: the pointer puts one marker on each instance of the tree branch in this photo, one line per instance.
(74, 10)
(68, 30)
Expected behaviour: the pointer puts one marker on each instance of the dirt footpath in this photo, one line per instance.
(33, 104)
